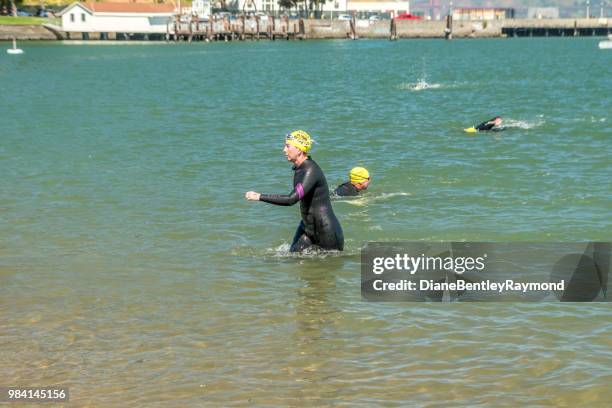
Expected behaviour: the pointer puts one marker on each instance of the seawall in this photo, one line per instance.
(336, 29)
(26, 32)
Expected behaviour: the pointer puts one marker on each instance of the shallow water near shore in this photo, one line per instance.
(133, 271)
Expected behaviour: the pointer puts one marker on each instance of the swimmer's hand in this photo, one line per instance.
(252, 196)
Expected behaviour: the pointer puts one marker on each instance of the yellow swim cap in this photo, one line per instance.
(299, 139)
(359, 175)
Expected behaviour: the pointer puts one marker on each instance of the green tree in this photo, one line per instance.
(317, 5)
(287, 4)
(10, 5)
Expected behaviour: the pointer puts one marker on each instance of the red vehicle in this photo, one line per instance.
(408, 16)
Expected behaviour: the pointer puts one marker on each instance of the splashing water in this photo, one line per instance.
(422, 83)
(282, 251)
(363, 201)
(522, 124)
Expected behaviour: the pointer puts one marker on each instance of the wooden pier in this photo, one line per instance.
(243, 28)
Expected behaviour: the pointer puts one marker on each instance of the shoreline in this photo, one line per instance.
(331, 29)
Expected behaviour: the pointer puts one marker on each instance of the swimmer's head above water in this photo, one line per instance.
(297, 145)
(359, 180)
(360, 177)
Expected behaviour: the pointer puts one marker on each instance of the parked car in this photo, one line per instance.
(23, 13)
(374, 18)
(345, 17)
(408, 16)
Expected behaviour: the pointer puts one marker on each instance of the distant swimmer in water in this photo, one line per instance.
(319, 226)
(359, 180)
(489, 125)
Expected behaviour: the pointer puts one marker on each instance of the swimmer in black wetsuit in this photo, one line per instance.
(489, 124)
(359, 181)
(319, 226)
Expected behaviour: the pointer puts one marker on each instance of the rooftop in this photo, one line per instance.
(129, 7)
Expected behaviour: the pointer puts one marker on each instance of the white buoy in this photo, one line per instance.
(14, 50)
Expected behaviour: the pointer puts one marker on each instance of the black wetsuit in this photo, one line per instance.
(486, 126)
(319, 225)
(346, 190)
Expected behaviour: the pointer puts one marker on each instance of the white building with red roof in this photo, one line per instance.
(117, 17)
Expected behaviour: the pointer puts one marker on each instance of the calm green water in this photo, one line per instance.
(133, 271)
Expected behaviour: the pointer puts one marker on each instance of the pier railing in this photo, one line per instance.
(241, 28)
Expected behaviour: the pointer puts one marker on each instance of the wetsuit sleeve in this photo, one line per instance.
(303, 186)
(483, 126)
(488, 125)
(339, 191)
(281, 199)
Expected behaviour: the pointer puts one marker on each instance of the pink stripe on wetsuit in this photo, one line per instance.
(299, 188)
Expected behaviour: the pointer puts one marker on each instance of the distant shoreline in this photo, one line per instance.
(336, 29)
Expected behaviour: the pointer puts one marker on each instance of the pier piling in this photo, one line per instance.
(448, 31)
(393, 30)
(353, 34)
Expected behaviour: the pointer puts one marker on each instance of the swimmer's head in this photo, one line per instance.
(300, 140)
(359, 177)
(497, 120)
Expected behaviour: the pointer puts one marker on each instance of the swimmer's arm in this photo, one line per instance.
(482, 126)
(302, 187)
(280, 199)
(488, 125)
